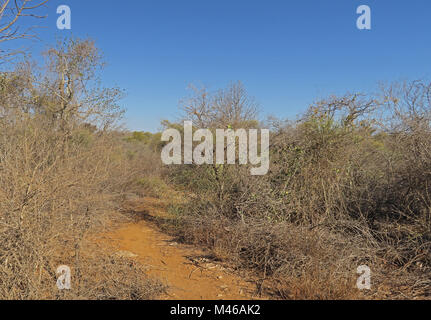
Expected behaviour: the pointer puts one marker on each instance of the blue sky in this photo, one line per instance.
(287, 53)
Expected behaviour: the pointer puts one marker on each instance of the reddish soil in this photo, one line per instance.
(189, 275)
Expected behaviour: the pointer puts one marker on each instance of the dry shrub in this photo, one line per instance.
(153, 186)
(100, 274)
(63, 170)
(348, 185)
(292, 262)
(49, 204)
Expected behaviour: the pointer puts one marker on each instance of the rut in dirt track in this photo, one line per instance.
(189, 275)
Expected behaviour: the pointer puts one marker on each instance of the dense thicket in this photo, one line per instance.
(63, 169)
(348, 185)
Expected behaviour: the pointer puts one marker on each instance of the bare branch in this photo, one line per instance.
(11, 12)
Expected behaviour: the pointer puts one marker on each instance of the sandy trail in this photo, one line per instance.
(189, 275)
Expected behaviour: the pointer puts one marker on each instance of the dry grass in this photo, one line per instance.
(61, 181)
(348, 185)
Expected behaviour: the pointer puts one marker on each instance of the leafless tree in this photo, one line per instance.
(231, 107)
(11, 12)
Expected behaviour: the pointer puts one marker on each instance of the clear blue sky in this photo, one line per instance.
(287, 53)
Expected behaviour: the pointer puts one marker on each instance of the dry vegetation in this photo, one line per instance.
(63, 171)
(348, 185)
